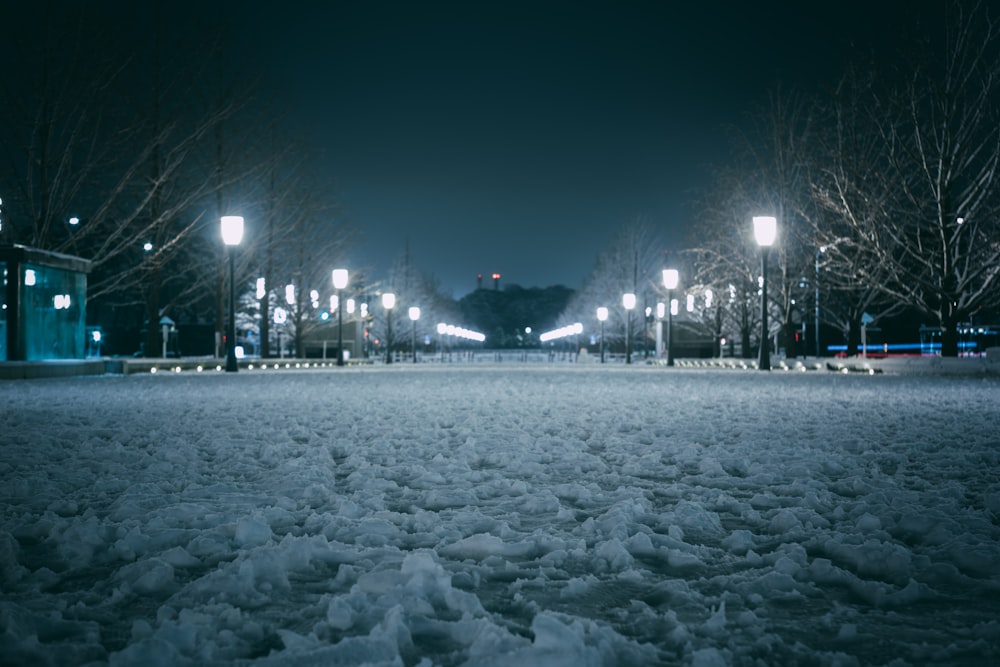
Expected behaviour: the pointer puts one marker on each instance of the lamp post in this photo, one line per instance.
(628, 300)
(339, 283)
(765, 230)
(819, 251)
(670, 279)
(388, 301)
(414, 313)
(661, 312)
(232, 234)
(602, 315)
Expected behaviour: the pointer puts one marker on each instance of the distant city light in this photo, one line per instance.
(562, 332)
(460, 332)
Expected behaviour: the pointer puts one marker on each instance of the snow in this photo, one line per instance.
(498, 515)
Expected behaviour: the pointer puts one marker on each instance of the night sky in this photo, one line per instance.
(515, 137)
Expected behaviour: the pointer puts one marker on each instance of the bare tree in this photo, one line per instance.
(774, 163)
(725, 258)
(852, 215)
(940, 134)
(633, 264)
(106, 167)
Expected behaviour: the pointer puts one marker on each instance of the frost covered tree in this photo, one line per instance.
(852, 214)
(939, 129)
(633, 263)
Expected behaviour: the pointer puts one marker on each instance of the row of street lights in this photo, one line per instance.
(389, 302)
(670, 279)
(765, 232)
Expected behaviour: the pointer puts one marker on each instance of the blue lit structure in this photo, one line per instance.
(43, 314)
(973, 342)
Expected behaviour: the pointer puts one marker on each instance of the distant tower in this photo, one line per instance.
(496, 281)
(479, 281)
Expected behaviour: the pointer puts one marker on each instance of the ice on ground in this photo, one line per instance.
(500, 515)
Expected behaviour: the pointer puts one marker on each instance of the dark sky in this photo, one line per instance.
(515, 136)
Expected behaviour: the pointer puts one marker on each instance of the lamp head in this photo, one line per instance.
(765, 230)
(339, 278)
(232, 229)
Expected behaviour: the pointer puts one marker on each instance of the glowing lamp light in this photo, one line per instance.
(232, 229)
(670, 278)
(628, 300)
(414, 313)
(602, 314)
(388, 300)
(29, 277)
(562, 332)
(350, 305)
(661, 310)
(765, 230)
(340, 278)
(261, 291)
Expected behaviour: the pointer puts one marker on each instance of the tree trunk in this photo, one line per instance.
(949, 336)
(789, 331)
(853, 337)
(153, 341)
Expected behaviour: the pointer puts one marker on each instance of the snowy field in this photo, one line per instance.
(500, 515)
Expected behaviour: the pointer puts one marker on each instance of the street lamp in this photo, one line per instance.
(670, 279)
(232, 234)
(602, 315)
(628, 300)
(765, 230)
(388, 301)
(414, 313)
(340, 282)
(819, 251)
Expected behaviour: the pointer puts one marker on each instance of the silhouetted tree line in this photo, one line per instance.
(505, 315)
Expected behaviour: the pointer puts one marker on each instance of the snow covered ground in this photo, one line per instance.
(500, 515)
